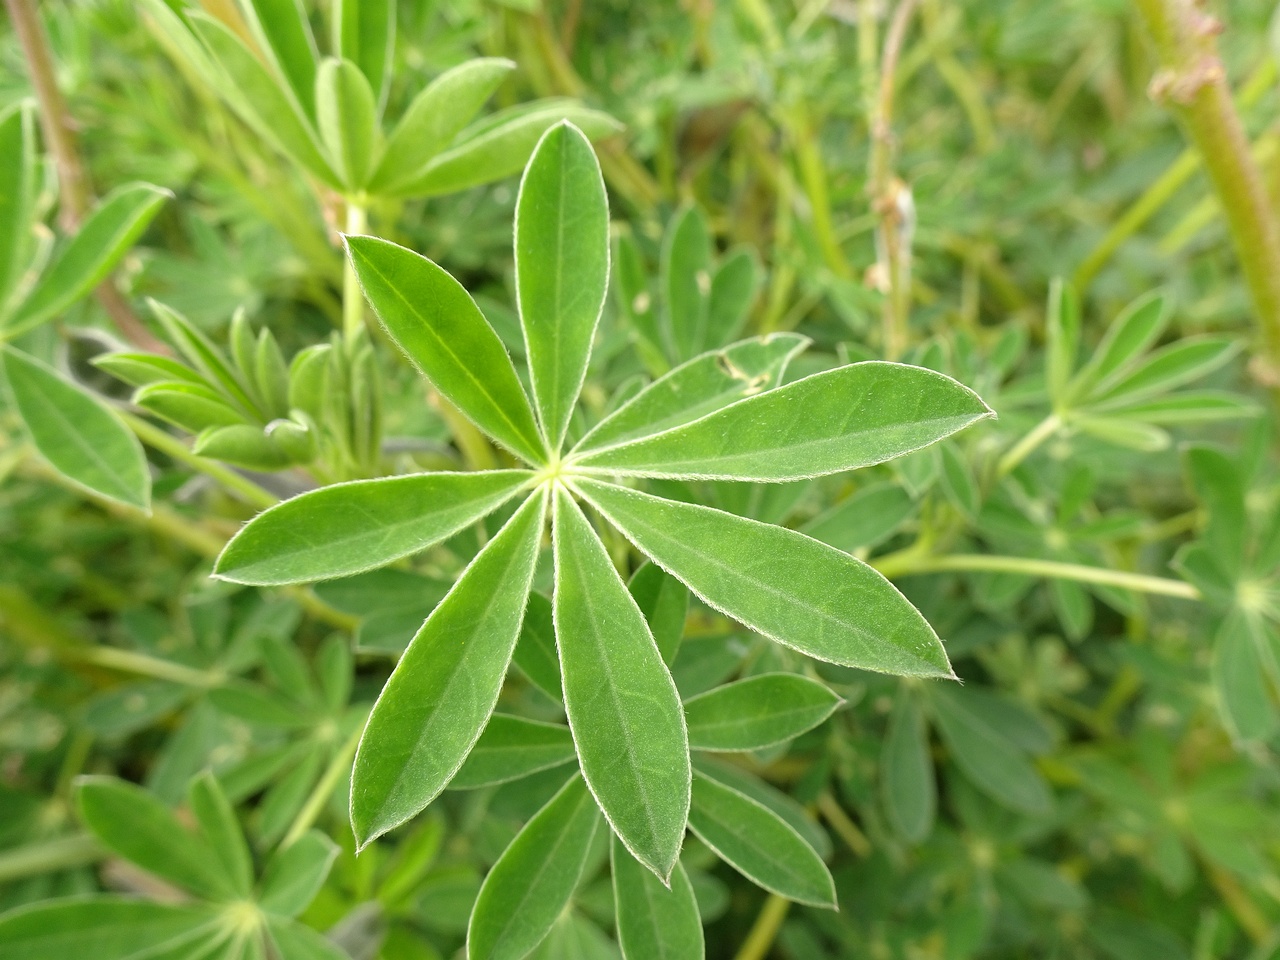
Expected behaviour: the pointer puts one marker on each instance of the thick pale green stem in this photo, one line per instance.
(898, 565)
(1193, 82)
(1045, 429)
(352, 295)
(324, 788)
(765, 930)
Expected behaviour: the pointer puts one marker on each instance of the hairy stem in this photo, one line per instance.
(891, 198)
(1193, 82)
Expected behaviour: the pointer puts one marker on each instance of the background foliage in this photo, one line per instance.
(1019, 213)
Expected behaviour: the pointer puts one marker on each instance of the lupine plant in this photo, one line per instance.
(719, 416)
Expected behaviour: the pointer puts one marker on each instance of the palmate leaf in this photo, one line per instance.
(780, 583)
(622, 704)
(562, 269)
(440, 328)
(850, 417)
(351, 527)
(437, 700)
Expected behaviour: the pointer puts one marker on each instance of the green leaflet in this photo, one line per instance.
(864, 518)
(102, 240)
(437, 700)
(1167, 368)
(267, 106)
(987, 757)
(686, 280)
(694, 389)
(218, 823)
(347, 117)
(133, 823)
(664, 601)
(562, 269)
(439, 326)
(435, 117)
(295, 874)
(528, 887)
(751, 786)
(536, 653)
(104, 928)
(365, 31)
(347, 528)
(282, 30)
(18, 188)
(76, 432)
(621, 701)
(1128, 337)
(758, 844)
(795, 590)
(907, 786)
(757, 712)
(511, 748)
(1244, 685)
(297, 942)
(654, 922)
(846, 418)
(501, 148)
(733, 290)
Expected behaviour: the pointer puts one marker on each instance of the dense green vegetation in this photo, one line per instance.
(509, 478)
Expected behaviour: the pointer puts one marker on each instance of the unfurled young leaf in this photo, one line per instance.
(500, 147)
(435, 705)
(780, 583)
(842, 419)
(364, 31)
(757, 712)
(622, 703)
(436, 116)
(347, 117)
(347, 528)
(654, 921)
(76, 432)
(758, 844)
(440, 328)
(562, 269)
(530, 884)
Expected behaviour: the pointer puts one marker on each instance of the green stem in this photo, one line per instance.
(765, 930)
(323, 789)
(1193, 82)
(1045, 429)
(352, 295)
(1026, 566)
(128, 661)
(50, 856)
(171, 446)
